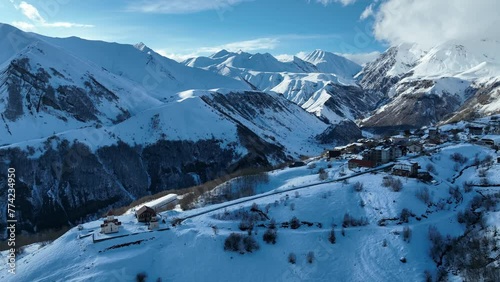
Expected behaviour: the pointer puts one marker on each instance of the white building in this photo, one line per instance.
(111, 224)
(153, 224)
(163, 203)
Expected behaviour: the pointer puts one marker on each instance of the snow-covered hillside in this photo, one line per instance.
(322, 83)
(427, 86)
(327, 62)
(46, 90)
(389, 244)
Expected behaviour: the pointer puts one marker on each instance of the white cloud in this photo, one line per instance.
(175, 56)
(284, 57)
(66, 24)
(247, 46)
(24, 26)
(343, 2)
(430, 22)
(361, 58)
(181, 6)
(367, 12)
(32, 13)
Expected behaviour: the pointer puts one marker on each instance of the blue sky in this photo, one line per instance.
(183, 28)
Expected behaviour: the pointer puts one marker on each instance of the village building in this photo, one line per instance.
(355, 163)
(476, 130)
(415, 148)
(385, 154)
(111, 224)
(493, 127)
(298, 164)
(153, 224)
(145, 214)
(330, 154)
(408, 169)
(434, 135)
(380, 155)
(354, 148)
(399, 139)
(491, 140)
(425, 176)
(164, 203)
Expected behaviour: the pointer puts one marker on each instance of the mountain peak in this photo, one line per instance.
(220, 54)
(141, 47)
(330, 63)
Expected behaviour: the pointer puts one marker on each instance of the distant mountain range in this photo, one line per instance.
(100, 124)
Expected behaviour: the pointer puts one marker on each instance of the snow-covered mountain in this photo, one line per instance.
(328, 62)
(322, 82)
(246, 61)
(73, 110)
(426, 86)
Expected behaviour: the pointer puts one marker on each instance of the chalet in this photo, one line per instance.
(407, 169)
(354, 163)
(475, 130)
(333, 154)
(111, 224)
(145, 214)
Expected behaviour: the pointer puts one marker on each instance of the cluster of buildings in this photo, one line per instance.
(378, 152)
(147, 214)
(375, 152)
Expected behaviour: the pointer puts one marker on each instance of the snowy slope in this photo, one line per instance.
(195, 252)
(436, 82)
(327, 62)
(161, 76)
(302, 81)
(13, 40)
(46, 90)
(246, 61)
